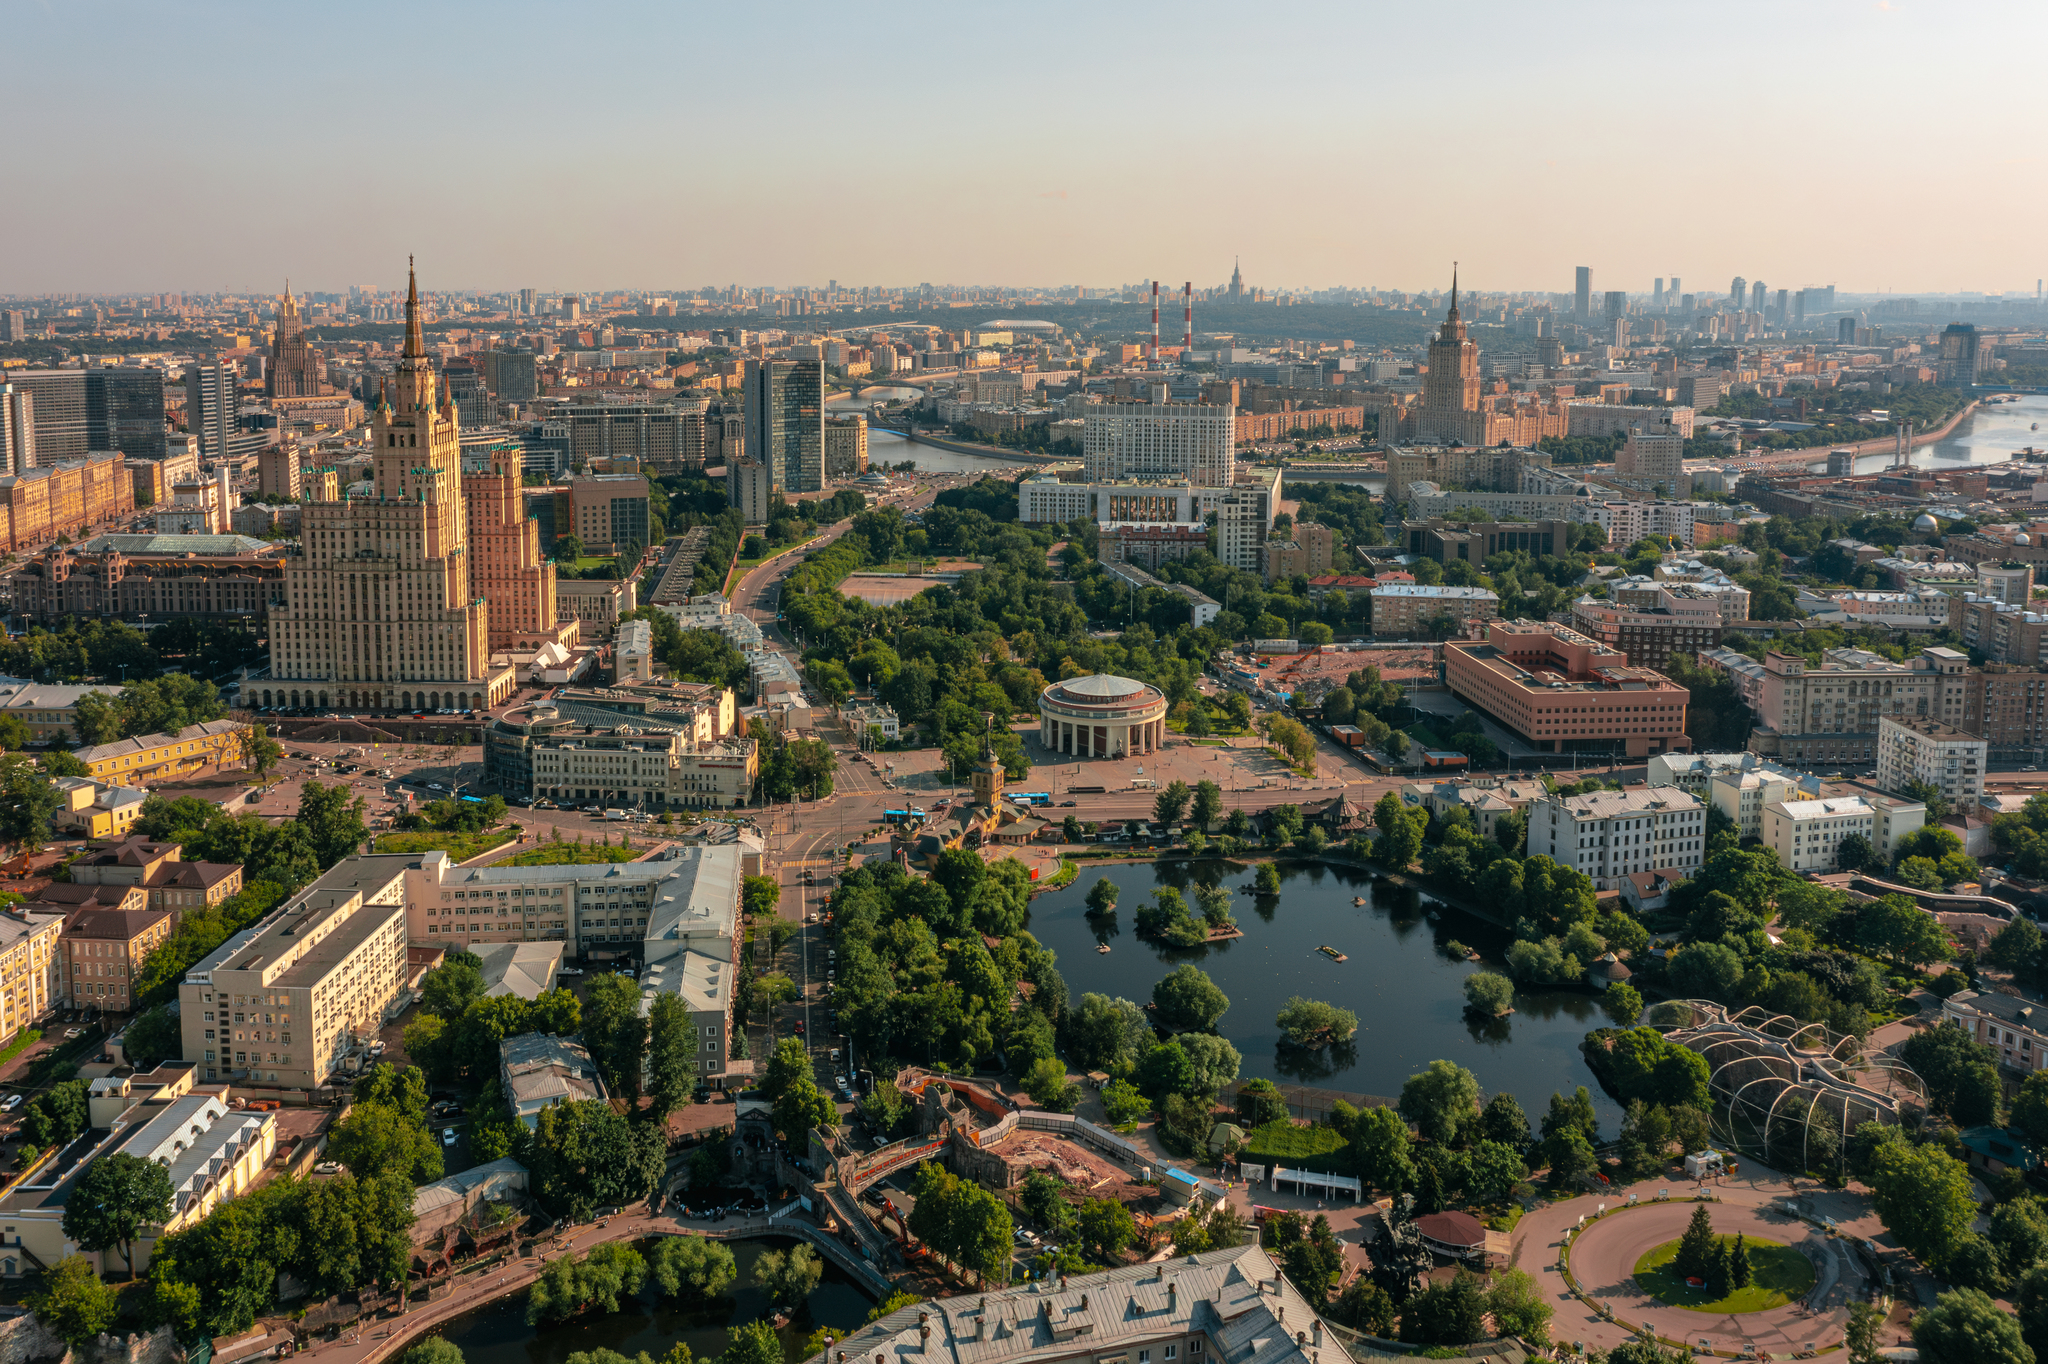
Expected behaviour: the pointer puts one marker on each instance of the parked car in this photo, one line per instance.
(12, 1102)
(447, 1136)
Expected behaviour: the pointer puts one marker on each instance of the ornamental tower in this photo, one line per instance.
(379, 611)
(293, 372)
(1451, 388)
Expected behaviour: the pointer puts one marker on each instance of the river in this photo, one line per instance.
(498, 1334)
(1407, 993)
(1990, 435)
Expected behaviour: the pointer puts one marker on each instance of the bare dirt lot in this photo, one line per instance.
(1086, 1174)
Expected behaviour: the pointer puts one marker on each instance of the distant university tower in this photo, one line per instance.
(380, 610)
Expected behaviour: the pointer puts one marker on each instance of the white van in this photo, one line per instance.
(616, 814)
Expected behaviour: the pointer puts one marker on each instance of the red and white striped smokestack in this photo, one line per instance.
(1155, 321)
(1187, 302)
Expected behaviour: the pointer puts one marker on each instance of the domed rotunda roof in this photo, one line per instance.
(1100, 687)
(1925, 522)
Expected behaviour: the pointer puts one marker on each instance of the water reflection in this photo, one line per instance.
(1400, 978)
(498, 1334)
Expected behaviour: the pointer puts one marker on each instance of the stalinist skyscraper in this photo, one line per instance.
(1451, 388)
(293, 371)
(380, 612)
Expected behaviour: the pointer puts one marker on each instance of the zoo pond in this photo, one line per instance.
(498, 1334)
(1407, 991)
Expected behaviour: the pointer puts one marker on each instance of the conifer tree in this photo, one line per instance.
(1696, 1247)
(1741, 1272)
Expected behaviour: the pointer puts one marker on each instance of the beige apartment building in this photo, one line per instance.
(846, 447)
(595, 604)
(1831, 713)
(1405, 610)
(284, 1002)
(1930, 753)
(642, 769)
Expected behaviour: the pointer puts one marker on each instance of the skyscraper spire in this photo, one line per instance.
(415, 343)
(1454, 289)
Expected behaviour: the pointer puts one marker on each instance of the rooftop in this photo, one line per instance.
(206, 546)
(1613, 804)
(301, 941)
(1237, 1297)
(1439, 592)
(145, 743)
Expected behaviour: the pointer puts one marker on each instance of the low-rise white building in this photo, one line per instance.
(1930, 753)
(636, 661)
(1807, 835)
(1609, 834)
(873, 716)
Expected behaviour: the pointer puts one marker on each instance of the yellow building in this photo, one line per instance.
(29, 963)
(161, 756)
(211, 1152)
(96, 810)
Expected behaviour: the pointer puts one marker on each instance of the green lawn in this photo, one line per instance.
(1782, 1274)
(459, 847)
(589, 561)
(572, 855)
(1285, 1142)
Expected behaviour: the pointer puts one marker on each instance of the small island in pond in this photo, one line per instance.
(1312, 1024)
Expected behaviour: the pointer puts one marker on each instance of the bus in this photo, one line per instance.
(895, 816)
(1087, 790)
(1032, 797)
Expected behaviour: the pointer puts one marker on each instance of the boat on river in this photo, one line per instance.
(1358, 899)
(1102, 947)
(1332, 953)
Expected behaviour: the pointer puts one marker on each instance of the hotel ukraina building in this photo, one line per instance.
(385, 603)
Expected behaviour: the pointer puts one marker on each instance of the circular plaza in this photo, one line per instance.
(1102, 716)
(1612, 1256)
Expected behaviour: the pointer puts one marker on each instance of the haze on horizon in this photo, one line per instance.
(1872, 144)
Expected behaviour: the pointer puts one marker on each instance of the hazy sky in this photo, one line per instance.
(205, 145)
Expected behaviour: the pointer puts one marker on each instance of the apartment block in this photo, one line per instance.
(1307, 554)
(1560, 690)
(1930, 753)
(1608, 835)
(2008, 707)
(1409, 610)
(1807, 835)
(102, 954)
(605, 511)
(846, 447)
(286, 1000)
(1495, 468)
(751, 488)
(1195, 442)
(1651, 624)
(2006, 632)
(1831, 712)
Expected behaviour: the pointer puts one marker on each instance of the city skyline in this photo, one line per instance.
(1387, 141)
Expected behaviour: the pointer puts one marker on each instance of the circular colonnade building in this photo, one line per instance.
(1101, 717)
